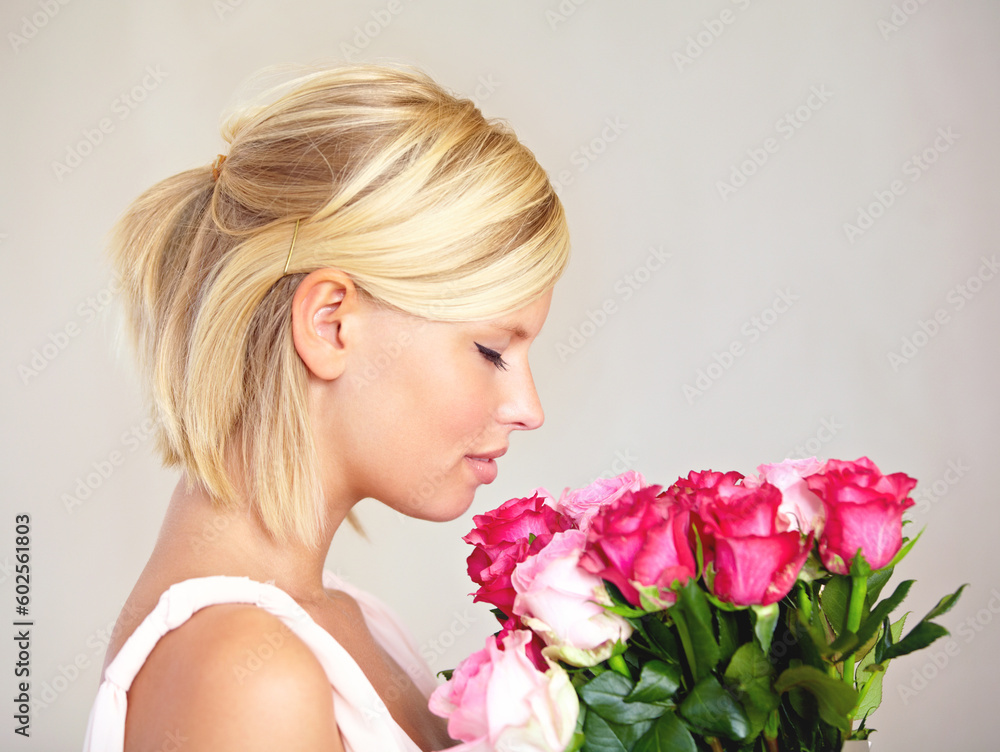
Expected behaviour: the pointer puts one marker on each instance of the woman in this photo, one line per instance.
(339, 308)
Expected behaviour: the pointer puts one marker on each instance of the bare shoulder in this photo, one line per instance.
(232, 677)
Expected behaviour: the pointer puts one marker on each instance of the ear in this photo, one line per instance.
(323, 309)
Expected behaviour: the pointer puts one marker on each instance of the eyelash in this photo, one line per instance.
(492, 356)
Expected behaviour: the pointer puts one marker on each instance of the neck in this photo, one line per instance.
(199, 539)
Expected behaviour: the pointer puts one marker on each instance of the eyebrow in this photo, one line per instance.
(514, 329)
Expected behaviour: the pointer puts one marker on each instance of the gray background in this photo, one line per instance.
(694, 90)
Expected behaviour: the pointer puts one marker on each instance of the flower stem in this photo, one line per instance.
(772, 744)
(716, 744)
(859, 589)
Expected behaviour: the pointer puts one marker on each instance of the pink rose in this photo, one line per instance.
(582, 504)
(750, 560)
(497, 700)
(562, 603)
(501, 540)
(641, 541)
(534, 648)
(800, 508)
(864, 510)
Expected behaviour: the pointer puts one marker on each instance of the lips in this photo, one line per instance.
(488, 455)
(484, 464)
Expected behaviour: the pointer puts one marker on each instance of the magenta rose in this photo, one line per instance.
(750, 560)
(864, 511)
(505, 537)
(639, 542)
(703, 487)
(800, 508)
(497, 700)
(582, 504)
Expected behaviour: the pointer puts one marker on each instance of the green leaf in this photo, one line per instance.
(944, 605)
(877, 581)
(834, 598)
(728, 634)
(632, 733)
(748, 667)
(904, 550)
(662, 638)
(605, 695)
(713, 710)
(621, 605)
(806, 595)
(602, 736)
(835, 699)
(925, 632)
(866, 649)
(693, 618)
(812, 639)
(657, 682)
(804, 704)
(599, 736)
(749, 676)
(607, 688)
(871, 692)
(897, 628)
(764, 620)
(629, 612)
(918, 638)
(884, 641)
(668, 735)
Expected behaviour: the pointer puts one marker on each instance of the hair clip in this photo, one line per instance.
(217, 166)
(295, 234)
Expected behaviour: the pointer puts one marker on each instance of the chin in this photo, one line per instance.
(438, 508)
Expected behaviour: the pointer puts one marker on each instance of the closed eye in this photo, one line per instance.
(492, 356)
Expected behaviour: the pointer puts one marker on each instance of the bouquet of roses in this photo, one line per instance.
(721, 613)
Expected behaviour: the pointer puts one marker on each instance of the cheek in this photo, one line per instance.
(414, 420)
(463, 411)
(434, 408)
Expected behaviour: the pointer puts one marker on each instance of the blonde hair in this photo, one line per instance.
(427, 206)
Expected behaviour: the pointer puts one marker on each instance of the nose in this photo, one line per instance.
(522, 409)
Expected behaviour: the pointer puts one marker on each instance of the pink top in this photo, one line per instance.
(364, 722)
